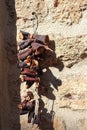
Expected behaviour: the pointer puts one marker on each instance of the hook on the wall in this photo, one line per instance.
(34, 17)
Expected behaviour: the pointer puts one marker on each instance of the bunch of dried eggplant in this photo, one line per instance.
(30, 50)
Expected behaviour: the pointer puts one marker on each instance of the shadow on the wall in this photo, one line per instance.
(51, 82)
(57, 63)
(13, 85)
(46, 118)
(48, 79)
(50, 58)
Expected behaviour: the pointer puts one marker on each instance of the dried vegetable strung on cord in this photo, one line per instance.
(30, 50)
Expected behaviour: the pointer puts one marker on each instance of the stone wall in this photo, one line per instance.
(65, 75)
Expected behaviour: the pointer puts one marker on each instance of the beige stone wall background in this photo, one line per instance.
(66, 24)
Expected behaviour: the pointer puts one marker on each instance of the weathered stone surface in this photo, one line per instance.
(66, 25)
(82, 124)
(71, 50)
(72, 93)
(58, 124)
(68, 12)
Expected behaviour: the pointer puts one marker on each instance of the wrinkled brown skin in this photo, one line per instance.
(28, 78)
(30, 94)
(25, 43)
(26, 105)
(31, 79)
(42, 38)
(23, 55)
(23, 35)
(29, 72)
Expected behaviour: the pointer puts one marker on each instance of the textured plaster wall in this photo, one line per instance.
(65, 21)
